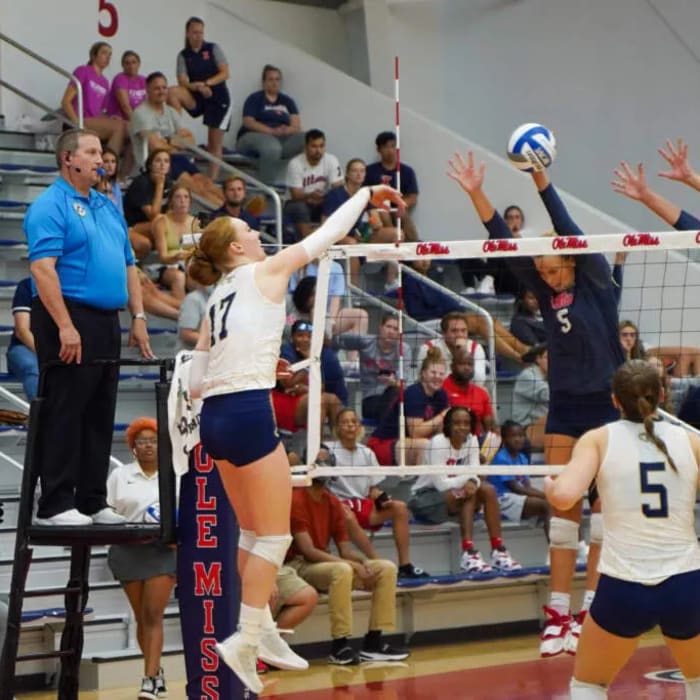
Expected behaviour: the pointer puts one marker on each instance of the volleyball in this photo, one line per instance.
(532, 147)
(152, 513)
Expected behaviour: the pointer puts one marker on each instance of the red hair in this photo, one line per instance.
(138, 425)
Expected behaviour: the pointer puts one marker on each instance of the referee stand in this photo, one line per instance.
(80, 540)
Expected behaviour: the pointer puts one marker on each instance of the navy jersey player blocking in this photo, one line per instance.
(647, 476)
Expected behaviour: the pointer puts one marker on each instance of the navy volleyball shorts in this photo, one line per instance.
(574, 415)
(239, 427)
(629, 609)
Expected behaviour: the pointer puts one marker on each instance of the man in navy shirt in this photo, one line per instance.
(83, 271)
(383, 172)
(234, 197)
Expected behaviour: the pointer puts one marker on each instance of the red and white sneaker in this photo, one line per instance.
(501, 559)
(571, 643)
(554, 633)
(472, 563)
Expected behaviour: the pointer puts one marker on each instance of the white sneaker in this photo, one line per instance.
(486, 285)
(275, 651)
(240, 658)
(72, 517)
(107, 516)
(501, 559)
(554, 638)
(572, 637)
(472, 563)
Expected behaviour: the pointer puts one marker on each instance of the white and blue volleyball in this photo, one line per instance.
(152, 513)
(532, 148)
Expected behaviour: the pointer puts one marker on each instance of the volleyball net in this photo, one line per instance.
(659, 278)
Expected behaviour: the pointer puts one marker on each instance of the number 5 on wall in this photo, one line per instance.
(109, 29)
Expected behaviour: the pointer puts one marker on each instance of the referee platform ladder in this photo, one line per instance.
(80, 540)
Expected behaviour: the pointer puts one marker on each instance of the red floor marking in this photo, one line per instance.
(531, 680)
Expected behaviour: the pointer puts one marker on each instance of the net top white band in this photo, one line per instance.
(483, 470)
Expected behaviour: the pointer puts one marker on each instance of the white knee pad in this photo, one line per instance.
(246, 540)
(272, 548)
(587, 691)
(596, 528)
(692, 688)
(563, 534)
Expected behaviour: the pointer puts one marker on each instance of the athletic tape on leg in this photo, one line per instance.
(272, 548)
(246, 540)
(563, 534)
(587, 691)
(596, 528)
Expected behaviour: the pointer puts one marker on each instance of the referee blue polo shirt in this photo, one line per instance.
(88, 237)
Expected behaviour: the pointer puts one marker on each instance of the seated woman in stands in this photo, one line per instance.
(631, 342)
(108, 184)
(531, 396)
(271, 125)
(146, 199)
(526, 324)
(435, 498)
(145, 571)
(95, 88)
(128, 89)
(168, 231)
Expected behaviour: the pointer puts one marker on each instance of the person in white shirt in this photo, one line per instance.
(145, 571)
(367, 507)
(646, 471)
(233, 369)
(310, 176)
(436, 497)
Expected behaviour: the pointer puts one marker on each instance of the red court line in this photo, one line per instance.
(531, 680)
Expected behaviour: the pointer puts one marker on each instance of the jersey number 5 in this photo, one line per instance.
(563, 318)
(657, 490)
(222, 314)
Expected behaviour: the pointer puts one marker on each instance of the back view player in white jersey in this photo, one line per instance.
(647, 476)
(234, 369)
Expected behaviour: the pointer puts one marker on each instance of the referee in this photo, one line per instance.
(83, 272)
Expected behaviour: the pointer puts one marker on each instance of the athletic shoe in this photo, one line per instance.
(553, 636)
(501, 559)
(67, 518)
(571, 642)
(275, 651)
(161, 688)
(107, 516)
(346, 656)
(384, 652)
(149, 689)
(472, 563)
(240, 658)
(411, 571)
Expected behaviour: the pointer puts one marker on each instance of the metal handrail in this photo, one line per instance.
(227, 167)
(38, 103)
(48, 64)
(467, 304)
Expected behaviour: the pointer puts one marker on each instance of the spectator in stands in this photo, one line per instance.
(317, 516)
(108, 184)
(145, 571)
(80, 288)
(202, 72)
(435, 497)
(461, 391)
(234, 191)
(666, 401)
(339, 318)
(424, 303)
(156, 126)
(531, 396)
(271, 125)
(631, 342)
(310, 177)
(128, 89)
(425, 406)
(367, 506)
(383, 172)
(517, 498)
(192, 312)
(95, 88)
(22, 362)
(168, 231)
(527, 324)
(299, 348)
(379, 364)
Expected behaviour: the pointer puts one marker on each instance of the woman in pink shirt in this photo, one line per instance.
(113, 132)
(128, 88)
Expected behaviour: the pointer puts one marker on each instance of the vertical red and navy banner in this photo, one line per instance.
(209, 588)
